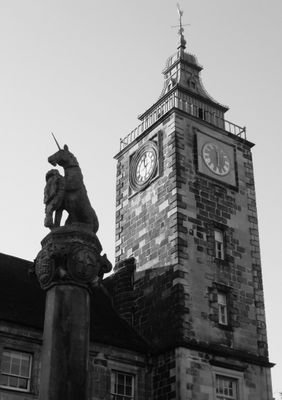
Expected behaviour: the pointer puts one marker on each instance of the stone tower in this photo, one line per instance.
(186, 212)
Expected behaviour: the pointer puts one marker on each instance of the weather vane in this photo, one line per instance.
(180, 26)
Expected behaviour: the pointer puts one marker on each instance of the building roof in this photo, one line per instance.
(22, 301)
(182, 74)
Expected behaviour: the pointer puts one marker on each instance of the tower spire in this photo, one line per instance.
(182, 41)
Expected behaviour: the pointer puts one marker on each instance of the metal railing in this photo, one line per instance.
(199, 112)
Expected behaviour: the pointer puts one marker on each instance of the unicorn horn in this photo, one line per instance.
(56, 141)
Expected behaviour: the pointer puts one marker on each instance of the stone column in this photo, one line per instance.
(68, 265)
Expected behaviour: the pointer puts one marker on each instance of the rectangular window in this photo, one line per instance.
(226, 388)
(15, 370)
(222, 308)
(122, 386)
(219, 244)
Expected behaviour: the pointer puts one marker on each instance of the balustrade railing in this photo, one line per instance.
(191, 109)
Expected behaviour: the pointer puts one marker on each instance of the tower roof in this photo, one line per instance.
(183, 89)
(182, 72)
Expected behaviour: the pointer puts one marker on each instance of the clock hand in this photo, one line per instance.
(220, 156)
(217, 157)
(146, 160)
(142, 167)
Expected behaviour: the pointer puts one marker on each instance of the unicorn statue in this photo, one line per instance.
(67, 193)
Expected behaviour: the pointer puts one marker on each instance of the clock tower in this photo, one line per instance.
(187, 244)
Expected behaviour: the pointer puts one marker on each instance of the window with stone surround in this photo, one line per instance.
(226, 388)
(15, 370)
(228, 380)
(222, 308)
(220, 301)
(219, 244)
(122, 386)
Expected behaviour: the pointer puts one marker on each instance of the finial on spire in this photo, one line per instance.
(180, 13)
(182, 41)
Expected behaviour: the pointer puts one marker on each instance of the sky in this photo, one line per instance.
(85, 70)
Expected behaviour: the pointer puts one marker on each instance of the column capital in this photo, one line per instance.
(71, 255)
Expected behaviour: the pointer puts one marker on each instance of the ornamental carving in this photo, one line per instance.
(71, 256)
(45, 267)
(84, 264)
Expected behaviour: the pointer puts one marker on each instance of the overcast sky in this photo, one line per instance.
(86, 69)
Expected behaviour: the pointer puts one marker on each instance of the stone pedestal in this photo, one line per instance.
(68, 265)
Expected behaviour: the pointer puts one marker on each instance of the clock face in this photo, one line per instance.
(145, 166)
(216, 159)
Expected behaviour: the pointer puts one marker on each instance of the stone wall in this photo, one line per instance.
(169, 229)
(198, 372)
(142, 218)
(27, 340)
(105, 359)
(206, 204)
(164, 375)
(102, 361)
